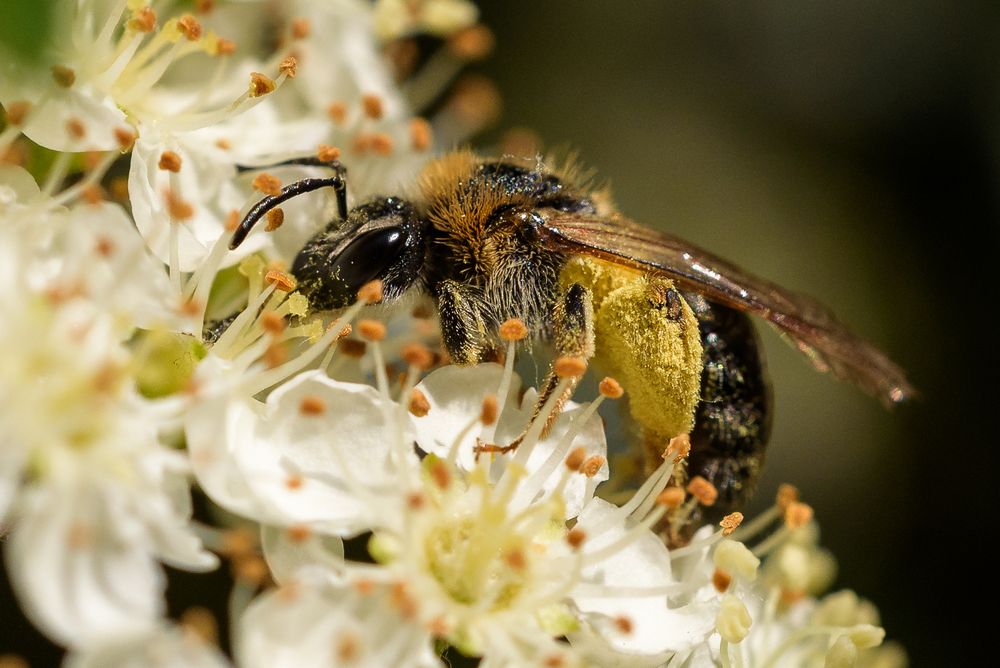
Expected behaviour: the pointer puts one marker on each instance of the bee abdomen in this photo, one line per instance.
(733, 419)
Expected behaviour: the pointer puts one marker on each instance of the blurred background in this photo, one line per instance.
(848, 150)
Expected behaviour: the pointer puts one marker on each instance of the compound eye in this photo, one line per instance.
(368, 256)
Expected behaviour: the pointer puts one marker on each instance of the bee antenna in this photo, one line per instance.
(338, 182)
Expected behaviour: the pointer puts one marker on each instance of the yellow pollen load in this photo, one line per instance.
(657, 358)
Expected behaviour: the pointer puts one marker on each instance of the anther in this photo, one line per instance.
(178, 208)
(515, 559)
(520, 142)
(327, 153)
(64, 76)
(267, 184)
(119, 188)
(312, 405)
(238, 542)
(363, 586)
(251, 570)
(440, 474)
(787, 494)
(570, 367)
(79, 536)
(275, 217)
(488, 414)
(575, 459)
(93, 194)
(671, 497)
(352, 348)
(16, 111)
(224, 47)
(288, 67)
(438, 627)
(294, 482)
(731, 522)
(348, 647)
(472, 43)
(91, 159)
(624, 624)
(280, 279)
(736, 558)
(232, 220)
(125, 138)
(733, 621)
(475, 100)
(798, 514)
(513, 330)
(679, 447)
(721, 580)
(189, 26)
(104, 247)
(421, 135)
(372, 105)
(298, 533)
(370, 292)
(345, 331)
(703, 490)
(204, 6)
(142, 20)
(261, 84)
(419, 406)
(371, 330)
(301, 28)
(76, 128)
(169, 162)
(337, 111)
(382, 143)
(201, 622)
(575, 538)
(401, 598)
(415, 501)
(610, 388)
(275, 355)
(592, 466)
(417, 355)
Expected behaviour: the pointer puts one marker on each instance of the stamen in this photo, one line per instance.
(189, 26)
(671, 497)
(516, 559)
(575, 537)
(288, 67)
(610, 388)
(382, 143)
(488, 414)
(721, 580)
(678, 448)
(64, 76)
(179, 209)
(418, 406)
(703, 491)
(421, 134)
(301, 28)
(125, 138)
(143, 20)
(624, 625)
(734, 557)
(312, 406)
(371, 292)
(337, 111)
(417, 355)
(372, 330)
(170, 162)
(592, 466)
(75, 128)
(352, 348)
(798, 514)
(570, 367)
(17, 111)
(327, 153)
(372, 106)
(786, 495)
(232, 220)
(299, 533)
(267, 184)
(440, 474)
(275, 217)
(730, 523)
(251, 570)
(280, 280)
(733, 622)
(348, 647)
(576, 458)
(513, 330)
(260, 85)
(238, 543)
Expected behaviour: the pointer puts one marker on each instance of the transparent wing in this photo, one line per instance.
(809, 325)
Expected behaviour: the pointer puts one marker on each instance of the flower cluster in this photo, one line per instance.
(139, 356)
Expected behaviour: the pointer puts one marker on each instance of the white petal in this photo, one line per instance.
(77, 580)
(162, 647)
(286, 555)
(645, 562)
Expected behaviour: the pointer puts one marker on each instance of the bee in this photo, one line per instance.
(490, 240)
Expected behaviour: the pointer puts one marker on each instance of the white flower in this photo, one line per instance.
(159, 647)
(398, 18)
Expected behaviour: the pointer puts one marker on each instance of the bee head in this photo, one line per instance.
(381, 239)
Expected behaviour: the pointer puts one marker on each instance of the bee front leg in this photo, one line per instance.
(573, 323)
(463, 322)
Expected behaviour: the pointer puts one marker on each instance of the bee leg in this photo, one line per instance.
(573, 320)
(463, 322)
